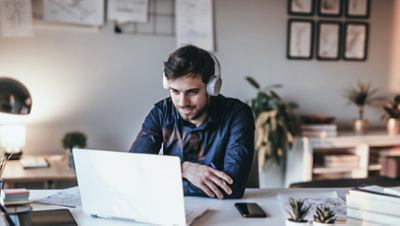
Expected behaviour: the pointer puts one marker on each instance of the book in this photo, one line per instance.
(15, 196)
(373, 216)
(376, 193)
(33, 162)
(373, 205)
(319, 127)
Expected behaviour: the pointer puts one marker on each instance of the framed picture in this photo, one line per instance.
(358, 8)
(330, 8)
(355, 41)
(301, 7)
(300, 39)
(328, 40)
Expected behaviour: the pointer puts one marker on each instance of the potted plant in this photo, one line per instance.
(362, 95)
(275, 123)
(392, 115)
(72, 140)
(297, 212)
(324, 216)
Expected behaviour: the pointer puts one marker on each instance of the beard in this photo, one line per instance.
(193, 115)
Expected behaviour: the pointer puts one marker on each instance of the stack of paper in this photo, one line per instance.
(375, 204)
(15, 196)
(33, 162)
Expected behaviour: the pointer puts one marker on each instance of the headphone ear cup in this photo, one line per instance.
(165, 82)
(214, 86)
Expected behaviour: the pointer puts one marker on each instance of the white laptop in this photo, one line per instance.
(140, 187)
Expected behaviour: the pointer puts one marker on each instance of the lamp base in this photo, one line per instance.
(14, 156)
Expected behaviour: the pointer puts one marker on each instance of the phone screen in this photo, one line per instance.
(250, 209)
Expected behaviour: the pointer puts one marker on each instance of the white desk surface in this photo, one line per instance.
(221, 212)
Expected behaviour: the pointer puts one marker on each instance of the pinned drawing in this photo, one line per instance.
(128, 10)
(16, 18)
(194, 23)
(81, 12)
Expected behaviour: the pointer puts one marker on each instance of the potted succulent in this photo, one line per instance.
(297, 212)
(275, 123)
(362, 95)
(324, 216)
(72, 140)
(392, 115)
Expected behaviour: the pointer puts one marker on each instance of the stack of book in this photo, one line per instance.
(374, 204)
(341, 160)
(319, 130)
(18, 196)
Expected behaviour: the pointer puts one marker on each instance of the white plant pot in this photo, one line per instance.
(322, 224)
(293, 223)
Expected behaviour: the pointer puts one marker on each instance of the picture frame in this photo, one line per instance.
(301, 7)
(330, 8)
(358, 9)
(300, 39)
(328, 40)
(355, 43)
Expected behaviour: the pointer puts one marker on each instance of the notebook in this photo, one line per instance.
(140, 187)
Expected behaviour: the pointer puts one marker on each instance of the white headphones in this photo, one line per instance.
(213, 85)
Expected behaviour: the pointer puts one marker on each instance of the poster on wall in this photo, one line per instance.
(300, 39)
(15, 18)
(194, 23)
(328, 40)
(356, 41)
(80, 12)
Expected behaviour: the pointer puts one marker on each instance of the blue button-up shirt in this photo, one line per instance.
(225, 141)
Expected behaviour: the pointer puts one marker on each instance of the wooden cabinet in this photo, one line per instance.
(306, 160)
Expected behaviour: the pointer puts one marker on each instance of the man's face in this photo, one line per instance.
(190, 98)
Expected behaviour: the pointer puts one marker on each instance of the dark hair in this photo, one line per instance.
(189, 61)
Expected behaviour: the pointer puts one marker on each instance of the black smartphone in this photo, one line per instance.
(53, 217)
(250, 209)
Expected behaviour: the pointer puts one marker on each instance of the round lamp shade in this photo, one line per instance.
(14, 97)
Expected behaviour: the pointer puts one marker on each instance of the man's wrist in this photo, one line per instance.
(184, 167)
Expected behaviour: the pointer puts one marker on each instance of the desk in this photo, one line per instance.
(58, 170)
(221, 212)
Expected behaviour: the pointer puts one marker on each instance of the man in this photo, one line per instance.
(213, 135)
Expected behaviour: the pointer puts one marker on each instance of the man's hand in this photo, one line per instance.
(210, 180)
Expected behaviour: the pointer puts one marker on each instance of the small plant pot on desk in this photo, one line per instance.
(323, 224)
(295, 223)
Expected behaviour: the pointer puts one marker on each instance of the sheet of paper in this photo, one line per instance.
(331, 199)
(127, 10)
(69, 197)
(16, 18)
(81, 12)
(194, 23)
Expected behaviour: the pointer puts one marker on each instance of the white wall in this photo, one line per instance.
(394, 81)
(104, 84)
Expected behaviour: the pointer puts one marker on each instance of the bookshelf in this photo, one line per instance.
(349, 155)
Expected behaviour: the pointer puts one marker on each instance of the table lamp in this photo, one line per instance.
(14, 99)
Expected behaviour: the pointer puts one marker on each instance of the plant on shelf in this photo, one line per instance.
(275, 123)
(392, 115)
(362, 95)
(324, 215)
(73, 140)
(298, 212)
